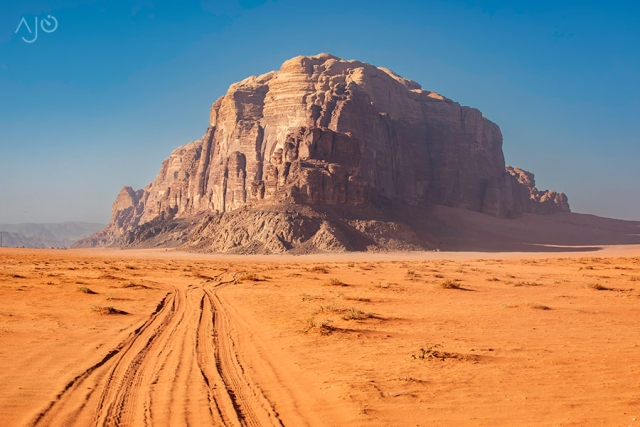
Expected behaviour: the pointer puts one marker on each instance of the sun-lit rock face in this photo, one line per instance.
(325, 131)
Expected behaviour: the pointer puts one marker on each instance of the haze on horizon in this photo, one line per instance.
(101, 101)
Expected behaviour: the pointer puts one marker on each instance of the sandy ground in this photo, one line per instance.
(134, 338)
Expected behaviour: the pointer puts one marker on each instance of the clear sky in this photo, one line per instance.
(102, 100)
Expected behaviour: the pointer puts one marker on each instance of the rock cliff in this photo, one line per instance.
(325, 132)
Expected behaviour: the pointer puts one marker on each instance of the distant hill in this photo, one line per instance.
(58, 235)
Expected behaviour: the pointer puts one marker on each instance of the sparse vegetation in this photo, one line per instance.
(355, 314)
(107, 310)
(449, 284)
(597, 287)
(307, 297)
(324, 328)
(252, 277)
(523, 283)
(134, 285)
(537, 306)
(337, 282)
(319, 269)
(361, 299)
(432, 352)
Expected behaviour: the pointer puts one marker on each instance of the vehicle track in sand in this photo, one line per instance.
(179, 368)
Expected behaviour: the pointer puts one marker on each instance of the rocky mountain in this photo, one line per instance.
(58, 235)
(324, 154)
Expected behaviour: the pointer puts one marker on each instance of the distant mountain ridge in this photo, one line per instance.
(59, 235)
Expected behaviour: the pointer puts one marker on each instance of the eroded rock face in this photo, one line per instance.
(325, 131)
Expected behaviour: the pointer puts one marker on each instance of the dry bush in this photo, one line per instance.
(355, 314)
(319, 269)
(107, 310)
(361, 299)
(449, 284)
(523, 283)
(537, 306)
(432, 353)
(134, 285)
(337, 282)
(250, 277)
(597, 287)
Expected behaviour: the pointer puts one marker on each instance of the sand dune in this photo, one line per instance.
(131, 338)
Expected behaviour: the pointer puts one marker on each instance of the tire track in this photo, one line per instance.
(180, 368)
(251, 406)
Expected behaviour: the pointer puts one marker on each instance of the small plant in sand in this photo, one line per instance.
(319, 269)
(449, 284)
(537, 306)
(523, 283)
(597, 287)
(361, 299)
(355, 314)
(323, 328)
(249, 277)
(307, 297)
(634, 278)
(337, 282)
(106, 310)
(134, 285)
(85, 290)
(433, 353)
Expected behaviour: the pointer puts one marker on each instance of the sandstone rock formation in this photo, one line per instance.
(322, 131)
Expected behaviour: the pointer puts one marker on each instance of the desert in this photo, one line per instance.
(158, 337)
(270, 213)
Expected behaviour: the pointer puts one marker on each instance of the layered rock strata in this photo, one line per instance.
(322, 131)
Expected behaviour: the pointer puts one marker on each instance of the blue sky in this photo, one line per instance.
(102, 100)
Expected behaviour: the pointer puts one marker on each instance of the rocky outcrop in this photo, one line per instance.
(329, 132)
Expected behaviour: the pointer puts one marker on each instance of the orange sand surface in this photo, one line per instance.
(154, 337)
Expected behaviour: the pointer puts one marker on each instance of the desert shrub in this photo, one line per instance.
(319, 269)
(336, 282)
(105, 310)
(250, 277)
(537, 306)
(597, 287)
(523, 283)
(449, 284)
(355, 314)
